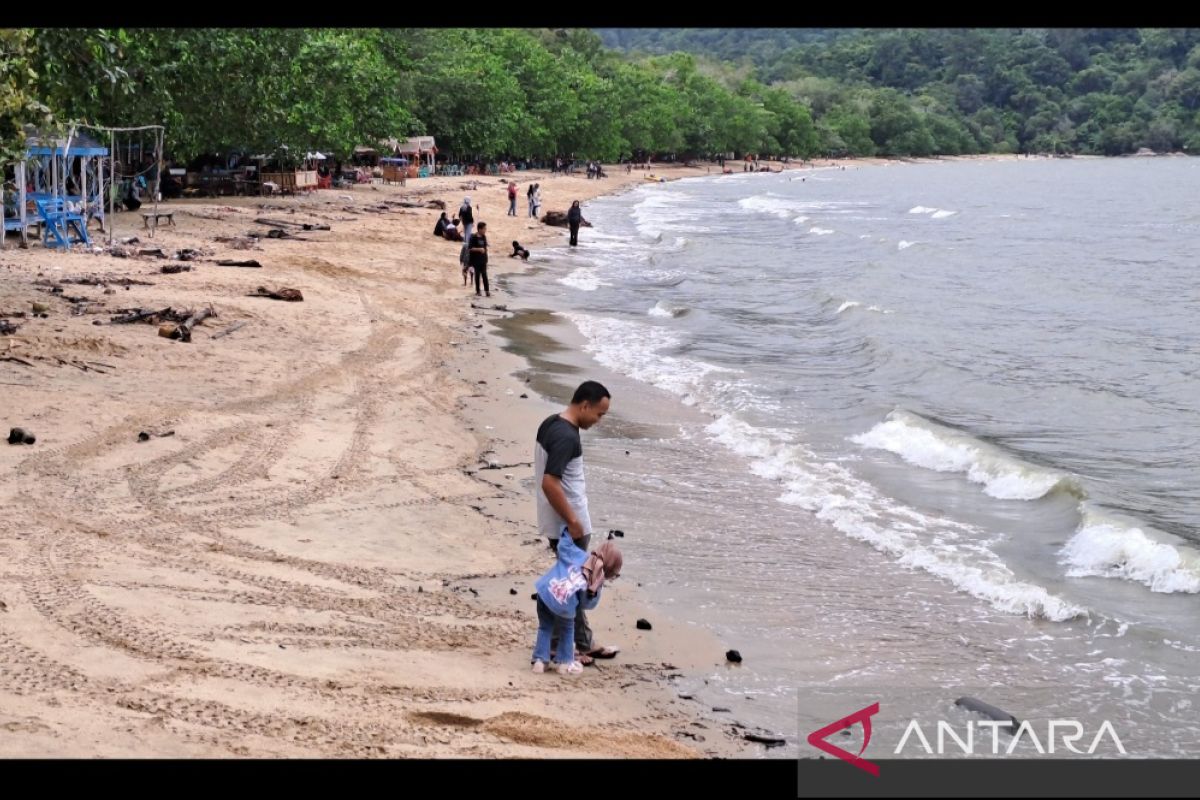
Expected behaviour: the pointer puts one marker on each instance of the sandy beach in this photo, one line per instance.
(319, 550)
(326, 545)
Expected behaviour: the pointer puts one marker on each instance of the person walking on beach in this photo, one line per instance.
(467, 217)
(571, 585)
(574, 218)
(537, 199)
(512, 198)
(561, 494)
(478, 246)
(529, 198)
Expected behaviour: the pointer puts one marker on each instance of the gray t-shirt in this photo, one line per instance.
(559, 452)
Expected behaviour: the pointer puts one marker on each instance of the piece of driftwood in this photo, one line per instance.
(278, 233)
(141, 316)
(291, 295)
(183, 331)
(157, 252)
(769, 741)
(233, 262)
(95, 280)
(237, 326)
(307, 226)
(172, 269)
(239, 242)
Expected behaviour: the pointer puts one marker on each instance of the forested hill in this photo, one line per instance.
(1106, 91)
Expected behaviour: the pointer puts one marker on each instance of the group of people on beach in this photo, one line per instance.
(473, 256)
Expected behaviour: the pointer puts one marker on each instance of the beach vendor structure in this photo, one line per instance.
(57, 187)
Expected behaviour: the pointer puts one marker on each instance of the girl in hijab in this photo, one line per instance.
(577, 577)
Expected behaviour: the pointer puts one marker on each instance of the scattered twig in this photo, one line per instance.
(237, 326)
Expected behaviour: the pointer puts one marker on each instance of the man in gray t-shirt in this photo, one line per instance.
(558, 480)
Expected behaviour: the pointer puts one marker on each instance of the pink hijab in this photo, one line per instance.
(603, 562)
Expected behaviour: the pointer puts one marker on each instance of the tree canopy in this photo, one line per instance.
(544, 92)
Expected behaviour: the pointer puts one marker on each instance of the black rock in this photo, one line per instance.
(533, 596)
(643, 625)
(734, 656)
(512, 591)
(143, 436)
(21, 436)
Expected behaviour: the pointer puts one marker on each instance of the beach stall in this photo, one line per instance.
(420, 150)
(395, 170)
(303, 178)
(58, 186)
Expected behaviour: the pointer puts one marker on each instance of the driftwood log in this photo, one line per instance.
(95, 280)
(307, 226)
(183, 332)
(172, 269)
(232, 262)
(291, 295)
(142, 315)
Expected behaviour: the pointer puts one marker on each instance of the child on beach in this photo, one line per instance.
(575, 578)
(519, 251)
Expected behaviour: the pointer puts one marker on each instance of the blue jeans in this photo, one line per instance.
(512, 206)
(548, 626)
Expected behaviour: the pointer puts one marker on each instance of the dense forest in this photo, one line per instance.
(690, 92)
(920, 91)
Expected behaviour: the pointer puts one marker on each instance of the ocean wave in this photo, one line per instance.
(905, 245)
(639, 350)
(925, 444)
(849, 304)
(1108, 547)
(585, 279)
(856, 509)
(667, 310)
(819, 231)
(935, 213)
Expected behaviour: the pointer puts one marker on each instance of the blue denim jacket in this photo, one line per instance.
(564, 586)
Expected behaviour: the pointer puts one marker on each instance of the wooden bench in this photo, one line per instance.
(147, 215)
